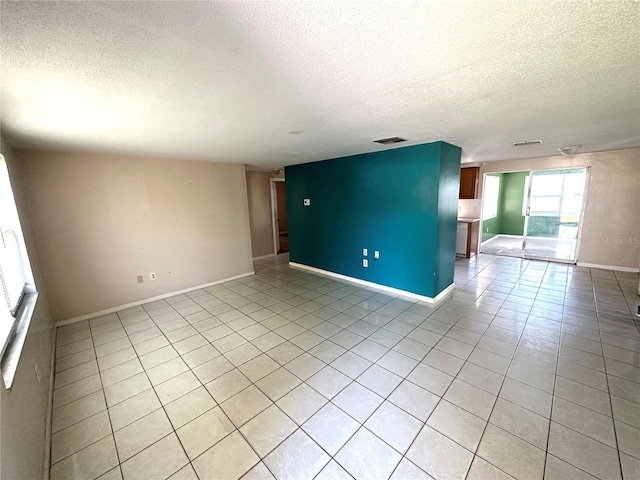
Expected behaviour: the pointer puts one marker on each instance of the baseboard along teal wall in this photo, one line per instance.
(401, 202)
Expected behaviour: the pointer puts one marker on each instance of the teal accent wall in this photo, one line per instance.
(402, 202)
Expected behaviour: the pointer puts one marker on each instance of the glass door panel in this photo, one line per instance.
(553, 213)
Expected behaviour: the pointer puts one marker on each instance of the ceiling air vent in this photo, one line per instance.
(390, 140)
(527, 142)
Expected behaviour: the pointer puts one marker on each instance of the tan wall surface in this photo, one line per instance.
(612, 210)
(24, 408)
(100, 220)
(259, 196)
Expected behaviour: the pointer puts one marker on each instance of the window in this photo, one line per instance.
(16, 280)
(557, 194)
(490, 196)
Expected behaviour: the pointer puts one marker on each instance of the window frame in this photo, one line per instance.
(485, 197)
(16, 318)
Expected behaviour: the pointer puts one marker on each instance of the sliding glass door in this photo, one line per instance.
(553, 213)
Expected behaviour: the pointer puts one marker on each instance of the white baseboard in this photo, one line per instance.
(385, 288)
(608, 267)
(48, 425)
(107, 311)
(261, 257)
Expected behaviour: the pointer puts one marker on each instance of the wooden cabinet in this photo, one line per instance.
(469, 182)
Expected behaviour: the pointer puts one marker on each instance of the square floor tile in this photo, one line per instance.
(227, 385)
(76, 390)
(204, 431)
(176, 387)
(328, 381)
(430, 379)
(414, 400)
(138, 435)
(297, 457)
(285, 352)
(366, 456)
(160, 460)
(167, 370)
(394, 426)
(78, 410)
(330, 428)
(444, 362)
(511, 454)
(531, 398)
(134, 408)
(439, 456)
(358, 401)
(379, 380)
(78, 436)
(585, 421)
(230, 458)
(245, 405)
(259, 367)
(301, 403)
(90, 462)
(470, 398)
(583, 452)
(350, 364)
(267, 430)
(304, 366)
(189, 406)
(457, 424)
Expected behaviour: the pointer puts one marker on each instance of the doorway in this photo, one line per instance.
(279, 216)
(534, 214)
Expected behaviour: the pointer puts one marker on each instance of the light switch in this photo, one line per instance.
(307, 202)
(364, 252)
(376, 254)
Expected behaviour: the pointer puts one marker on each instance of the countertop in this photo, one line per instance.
(467, 220)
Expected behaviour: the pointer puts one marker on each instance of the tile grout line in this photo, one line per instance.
(606, 376)
(350, 349)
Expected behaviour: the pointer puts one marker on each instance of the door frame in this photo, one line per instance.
(274, 213)
(525, 233)
(526, 218)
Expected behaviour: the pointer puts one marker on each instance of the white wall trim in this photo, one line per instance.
(99, 313)
(396, 291)
(274, 213)
(48, 424)
(608, 267)
(262, 257)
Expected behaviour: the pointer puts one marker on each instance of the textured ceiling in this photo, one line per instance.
(231, 81)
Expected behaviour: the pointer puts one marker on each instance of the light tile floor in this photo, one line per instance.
(528, 370)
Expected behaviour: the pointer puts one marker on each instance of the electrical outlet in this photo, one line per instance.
(306, 202)
(376, 254)
(38, 373)
(153, 276)
(364, 252)
(365, 262)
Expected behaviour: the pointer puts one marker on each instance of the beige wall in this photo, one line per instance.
(24, 409)
(101, 220)
(259, 197)
(612, 209)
